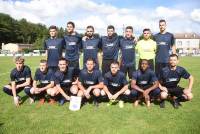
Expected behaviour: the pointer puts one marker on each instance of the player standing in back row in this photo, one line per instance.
(165, 45)
(110, 48)
(53, 47)
(127, 46)
(72, 45)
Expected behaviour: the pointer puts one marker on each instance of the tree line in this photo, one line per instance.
(22, 31)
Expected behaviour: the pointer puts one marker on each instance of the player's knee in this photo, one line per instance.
(103, 93)
(74, 89)
(7, 90)
(96, 92)
(163, 95)
(127, 92)
(189, 96)
(80, 93)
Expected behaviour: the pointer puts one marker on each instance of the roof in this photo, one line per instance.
(186, 36)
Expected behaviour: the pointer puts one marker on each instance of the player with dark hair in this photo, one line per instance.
(165, 46)
(115, 84)
(144, 84)
(72, 46)
(54, 47)
(127, 45)
(110, 48)
(90, 82)
(146, 48)
(20, 78)
(90, 45)
(43, 81)
(65, 83)
(170, 77)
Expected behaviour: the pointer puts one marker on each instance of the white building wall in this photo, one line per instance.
(187, 43)
(10, 47)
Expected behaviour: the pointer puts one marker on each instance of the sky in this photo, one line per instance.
(181, 15)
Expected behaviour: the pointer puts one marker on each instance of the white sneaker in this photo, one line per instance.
(121, 104)
(31, 101)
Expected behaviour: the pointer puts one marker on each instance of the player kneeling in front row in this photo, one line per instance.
(116, 85)
(43, 80)
(20, 80)
(65, 83)
(144, 84)
(90, 82)
(169, 78)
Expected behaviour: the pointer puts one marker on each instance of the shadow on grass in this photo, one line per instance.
(24, 98)
(1, 124)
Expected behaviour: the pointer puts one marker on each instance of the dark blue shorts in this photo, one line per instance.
(153, 94)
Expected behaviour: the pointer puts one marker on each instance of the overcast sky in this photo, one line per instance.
(181, 15)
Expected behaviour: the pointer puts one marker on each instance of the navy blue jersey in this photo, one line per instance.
(164, 44)
(90, 48)
(110, 47)
(72, 46)
(65, 79)
(170, 78)
(115, 82)
(44, 78)
(144, 79)
(20, 76)
(127, 47)
(89, 79)
(54, 47)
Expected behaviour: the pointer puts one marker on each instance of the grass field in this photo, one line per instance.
(31, 119)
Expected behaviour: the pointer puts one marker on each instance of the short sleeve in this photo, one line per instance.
(184, 74)
(45, 45)
(124, 81)
(153, 77)
(105, 80)
(36, 77)
(28, 73)
(134, 75)
(57, 79)
(172, 40)
(12, 77)
(63, 43)
(100, 78)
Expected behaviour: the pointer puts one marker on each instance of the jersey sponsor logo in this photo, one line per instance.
(114, 84)
(52, 47)
(89, 47)
(172, 79)
(72, 43)
(129, 47)
(109, 45)
(67, 81)
(162, 43)
(44, 81)
(143, 82)
(89, 82)
(20, 79)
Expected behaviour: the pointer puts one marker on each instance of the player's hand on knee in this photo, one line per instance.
(16, 101)
(187, 91)
(164, 89)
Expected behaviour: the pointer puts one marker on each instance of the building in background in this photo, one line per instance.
(15, 47)
(187, 43)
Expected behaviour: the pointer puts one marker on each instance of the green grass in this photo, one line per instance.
(31, 119)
